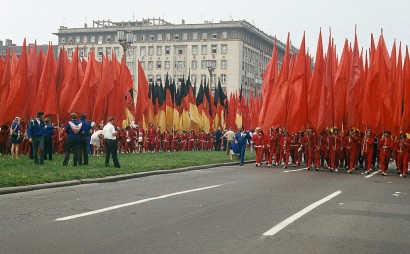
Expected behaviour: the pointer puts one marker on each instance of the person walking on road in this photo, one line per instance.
(110, 134)
(241, 139)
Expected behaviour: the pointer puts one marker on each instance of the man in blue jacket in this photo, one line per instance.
(73, 129)
(241, 138)
(85, 140)
(36, 137)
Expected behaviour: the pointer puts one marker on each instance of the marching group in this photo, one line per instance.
(329, 149)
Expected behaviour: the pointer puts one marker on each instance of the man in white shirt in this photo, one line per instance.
(110, 134)
(230, 136)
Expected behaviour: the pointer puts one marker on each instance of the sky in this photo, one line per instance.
(37, 20)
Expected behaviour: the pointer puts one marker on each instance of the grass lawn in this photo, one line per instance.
(23, 171)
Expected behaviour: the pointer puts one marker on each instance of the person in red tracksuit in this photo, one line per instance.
(175, 141)
(140, 135)
(158, 137)
(62, 141)
(269, 147)
(401, 147)
(191, 141)
(352, 142)
(317, 144)
(335, 149)
(307, 145)
(276, 146)
(152, 137)
(258, 142)
(294, 150)
(367, 150)
(385, 148)
(285, 148)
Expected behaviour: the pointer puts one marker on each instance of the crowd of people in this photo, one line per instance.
(330, 149)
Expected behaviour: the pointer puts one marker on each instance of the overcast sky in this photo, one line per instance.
(37, 20)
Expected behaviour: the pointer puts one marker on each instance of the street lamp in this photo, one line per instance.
(125, 38)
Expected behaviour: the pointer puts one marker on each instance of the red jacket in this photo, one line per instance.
(258, 140)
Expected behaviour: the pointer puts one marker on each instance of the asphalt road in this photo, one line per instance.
(218, 210)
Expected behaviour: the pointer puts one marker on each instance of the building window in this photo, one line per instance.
(77, 39)
(150, 79)
(224, 35)
(85, 39)
(204, 36)
(159, 65)
(92, 40)
(159, 37)
(151, 51)
(167, 50)
(108, 39)
(70, 40)
(234, 35)
(214, 36)
(213, 79)
(167, 65)
(151, 37)
(70, 52)
(195, 50)
(100, 51)
(195, 36)
(108, 52)
(100, 39)
(213, 49)
(203, 77)
(203, 49)
(224, 64)
(62, 40)
(159, 50)
(176, 37)
(194, 64)
(193, 78)
(179, 50)
(204, 64)
(223, 78)
(168, 37)
(142, 64)
(142, 37)
(184, 36)
(150, 65)
(81, 52)
(142, 51)
(224, 49)
(179, 64)
(117, 51)
(158, 78)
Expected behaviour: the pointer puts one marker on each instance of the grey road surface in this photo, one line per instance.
(218, 210)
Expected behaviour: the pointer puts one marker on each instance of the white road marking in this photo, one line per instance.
(293, 170)
(372, 174)
(134, 203)
(299, 214)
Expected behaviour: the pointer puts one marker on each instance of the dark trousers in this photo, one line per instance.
(71, 145)
(111, 149)
(242, 149)
(218, 145)
(48, 148)
(38, 142)
(83, 153)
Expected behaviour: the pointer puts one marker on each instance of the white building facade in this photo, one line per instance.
(236, 52)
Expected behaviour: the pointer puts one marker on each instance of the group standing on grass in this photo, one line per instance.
(329, 149)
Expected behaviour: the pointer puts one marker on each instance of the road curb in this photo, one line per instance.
(108, 179)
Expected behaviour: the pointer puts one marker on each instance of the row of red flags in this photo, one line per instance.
(358, 90)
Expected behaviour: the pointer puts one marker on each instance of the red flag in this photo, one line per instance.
(351, 92)
(71, 84)
(298, 110)
(18, 88)
(268, 82)
(316, 85)
(142, 96)
(104, 88)
(398, 92)
(63, 65)
(33, 79)
(5, 86)
(406, 91)
(339, 88)
(47, 94)
(277, 108)
(82, 100)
